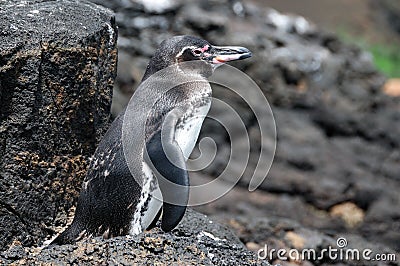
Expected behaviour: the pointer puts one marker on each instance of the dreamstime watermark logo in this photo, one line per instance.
(147, 102)
(339, 253)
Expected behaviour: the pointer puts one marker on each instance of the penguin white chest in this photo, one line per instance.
(188, 129)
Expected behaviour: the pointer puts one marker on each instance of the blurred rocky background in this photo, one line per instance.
(329, 70)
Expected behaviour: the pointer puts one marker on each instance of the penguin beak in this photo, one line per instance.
(223, 54)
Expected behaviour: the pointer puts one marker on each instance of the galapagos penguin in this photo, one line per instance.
(111, 202)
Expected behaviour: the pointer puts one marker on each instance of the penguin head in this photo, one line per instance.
(187, 48)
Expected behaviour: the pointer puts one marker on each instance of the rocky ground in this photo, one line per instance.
(196, 241)
(337, 164)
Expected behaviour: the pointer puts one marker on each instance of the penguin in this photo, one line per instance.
(121, 195)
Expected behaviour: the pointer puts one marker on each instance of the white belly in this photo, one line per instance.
(150, 202)
(187, 132)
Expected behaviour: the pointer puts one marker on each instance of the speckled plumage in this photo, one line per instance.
(111, 201)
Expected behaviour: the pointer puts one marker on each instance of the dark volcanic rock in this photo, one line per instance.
(269, 234)
(337, 131)
(57, 68)
(337, 163)
(196, 241)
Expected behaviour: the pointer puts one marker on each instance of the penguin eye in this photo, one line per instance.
(197, 52)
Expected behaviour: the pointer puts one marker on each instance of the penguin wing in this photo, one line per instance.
(167, 161)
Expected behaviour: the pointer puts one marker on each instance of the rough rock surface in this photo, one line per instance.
(295, 239)
(337, 163)
(260, 219)
(57, 68)
(336, 170)
(196, 241)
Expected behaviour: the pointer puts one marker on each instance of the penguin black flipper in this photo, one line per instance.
(168, 164)
(155, 220)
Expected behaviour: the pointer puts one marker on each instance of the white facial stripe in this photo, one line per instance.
(183, 50)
